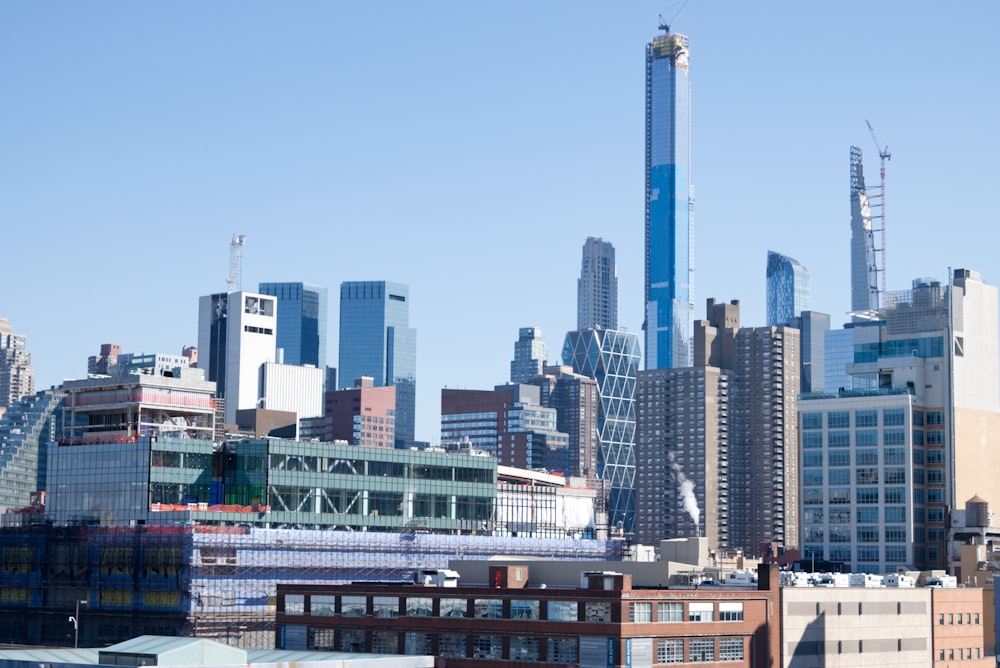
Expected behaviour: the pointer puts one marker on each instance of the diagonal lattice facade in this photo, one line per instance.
(611, 357)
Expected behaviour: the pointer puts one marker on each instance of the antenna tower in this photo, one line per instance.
(877, 203)
(235, 279)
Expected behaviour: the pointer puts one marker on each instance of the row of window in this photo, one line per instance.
(700, 650)
(891, 417)
(864, 534)
(968, 653)
(970, 618)
(894, 554)
(865, 515)
(642, 611)
(870, 438)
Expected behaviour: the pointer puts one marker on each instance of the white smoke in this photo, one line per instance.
(686, 494)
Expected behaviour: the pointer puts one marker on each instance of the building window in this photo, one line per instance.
(523, 649)
(452, 607)
(893, 417)
(701, 650)
(940, 619)
(451, 646)
(812, 420)
(385, 642)
(385, 606)
(321, 639)
(700, 612)
(640, 612)
(487, 647)
(597, 612)
(731, 612)
(838, 420)
(322, 606)
(730, 649)
(489, 608)
(419, 607)
(523, 609)
(562, 650)
(867, 534)
(352, 641)
(670, 651)
(295, 604)
(866, 418)
(562, 611)
(417, 644)
(670, 612)
(353, 606)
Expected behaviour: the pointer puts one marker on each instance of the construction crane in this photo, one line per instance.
(665, 25)
(883, 154)
(235, 279)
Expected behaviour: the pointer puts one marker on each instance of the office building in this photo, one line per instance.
(236, 336)
(530, 355)
(611, 357)
(597, 287)
(508, 423)
(17, 376)
(787, 291)
(302, 320)
(536, 613)
(100, 364)
(364, 415)
(864, 263)
(376, 340)
(916, 436)
(669, 204)
(576, 400)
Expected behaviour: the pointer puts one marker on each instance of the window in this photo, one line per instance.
(895, 534)
(838, 420)
(295, 604)
(352, 641)
(866, 457)
(670, 651)
(894, 437)
(640, 612)
(940, 619)
(487, 647)
(868, 552)
(935, 456)
(866, 418)
(839, 457)
(866, 437)
(701, 650)
(562, 611)
(934, 438)
(867, 515)
(812, 477)
(562, 650)
(385, 642)
(840, 495)
(419, 607)
(731, 612)
(524, 649)
(812, 458)
(385, 606)
(417, 644)
(488, 608)
(895, 495)
(895, 475)
(353, 606)
(866, 476)
(452, 607)
(812, 439)
(893, 417)
(451, 646)
(597, 611)
(670, 612)
(867, 495)
(895, 514)
(321, 606)
(812, 421)
(840, 476)
(918, 418)
(730, 649)
(867, 534)
(839, 439)
(933, 496)
(524, 609)
(894, 456)
(700, 612)
(935, 417)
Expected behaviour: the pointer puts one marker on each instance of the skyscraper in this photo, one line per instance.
(17, 376)
(669, 204)
(611, 357)
(236, 336)
(597, 287)
(302, 318)
(376, 340)
(787, 285)
(864, 269)
(530, 355)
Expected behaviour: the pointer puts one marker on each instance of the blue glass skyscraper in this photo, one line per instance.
(376, 340)
(611, 357)
(787, 284)
(669, 204)
(302, 317)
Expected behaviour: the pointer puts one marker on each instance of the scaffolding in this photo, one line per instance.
(213, 582)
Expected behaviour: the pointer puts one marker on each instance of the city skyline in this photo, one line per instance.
(127, 150)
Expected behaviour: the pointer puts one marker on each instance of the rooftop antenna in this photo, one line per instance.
(665, 25)
(883, 154)
(235, 279)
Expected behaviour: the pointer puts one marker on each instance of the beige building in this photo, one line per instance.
(17, 376)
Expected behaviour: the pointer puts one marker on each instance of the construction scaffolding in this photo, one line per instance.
(213, 582)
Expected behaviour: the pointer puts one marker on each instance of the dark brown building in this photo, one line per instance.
(511, 619)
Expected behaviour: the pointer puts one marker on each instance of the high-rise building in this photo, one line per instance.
(597, 287)
(864, 267)
(376, 340)
(787, 289)
(302, 318)
(669, 204)
(576, 400)
(813, 327)
(17, 376)
(915, 433)
(236, 336)
(611, 357)
(530, 355)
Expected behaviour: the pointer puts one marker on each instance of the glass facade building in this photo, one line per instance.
(530, 355)
(302, 319)
(669, 204)
(611, 357)
(376, 340)
(787, 289)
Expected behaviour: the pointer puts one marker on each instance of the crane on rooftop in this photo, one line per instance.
(235, 278)
(665, 25)
(884, 155)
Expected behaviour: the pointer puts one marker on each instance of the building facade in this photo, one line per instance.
(237, 334)
(364, 415)
(302, 322)
(576, 400)
(669, 204)
(787, 289)
(597, 287)
(611, 357)
(376, 340)
(864, 264)
(17, 376)
(530, 355)
(27, 430)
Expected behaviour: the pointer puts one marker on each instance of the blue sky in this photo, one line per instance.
(466, 149)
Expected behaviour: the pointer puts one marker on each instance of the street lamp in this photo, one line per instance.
(75, 621)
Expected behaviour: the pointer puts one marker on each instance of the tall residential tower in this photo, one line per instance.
(669, 204)
(597, 287)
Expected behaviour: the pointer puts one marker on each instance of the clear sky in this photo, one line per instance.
(467, 149)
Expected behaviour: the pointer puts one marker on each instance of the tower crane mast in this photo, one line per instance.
(884, 155)
(235, 279)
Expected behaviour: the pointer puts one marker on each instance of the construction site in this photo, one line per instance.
(215, 582)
